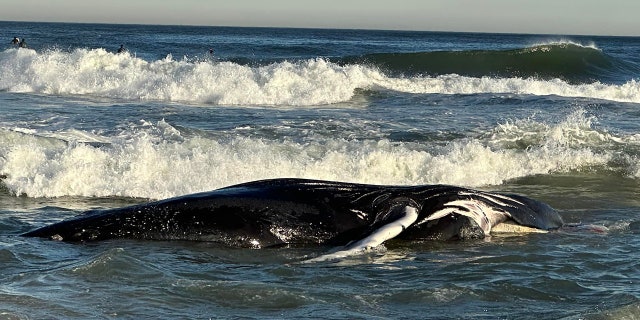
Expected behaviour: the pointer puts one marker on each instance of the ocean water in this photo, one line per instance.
(555, 118)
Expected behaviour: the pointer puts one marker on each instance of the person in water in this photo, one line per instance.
(15, 41)
(122, 49)
(22, 44)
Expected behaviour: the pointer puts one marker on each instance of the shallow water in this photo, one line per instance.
(84, 128)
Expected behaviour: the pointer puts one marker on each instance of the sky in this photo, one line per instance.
(591, 17)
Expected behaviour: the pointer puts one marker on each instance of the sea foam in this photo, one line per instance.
(96, 72)
(156, 161)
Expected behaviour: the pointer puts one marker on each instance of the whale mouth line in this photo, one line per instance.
(511, 227)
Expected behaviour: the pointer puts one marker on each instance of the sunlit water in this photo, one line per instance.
(82, 127)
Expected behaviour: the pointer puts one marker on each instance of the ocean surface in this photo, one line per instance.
(555, 118)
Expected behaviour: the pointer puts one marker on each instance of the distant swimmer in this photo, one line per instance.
(22, 44)
(122, 49)
(211, 51)
(15, 41)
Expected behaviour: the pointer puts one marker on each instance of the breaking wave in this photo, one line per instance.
(158, 160)
(539, 70)
(571, 62)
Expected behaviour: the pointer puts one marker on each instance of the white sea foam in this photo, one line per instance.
(158, 162)
(100, 73)
(455, 84)
(310, 82)
(564, 42)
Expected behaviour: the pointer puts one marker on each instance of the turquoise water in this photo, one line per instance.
(551, 117)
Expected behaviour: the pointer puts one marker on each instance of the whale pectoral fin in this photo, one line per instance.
(383, 233)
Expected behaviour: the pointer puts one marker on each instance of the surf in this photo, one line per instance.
(96, 72)
(158, 160)
(537, 70)
(571, 62)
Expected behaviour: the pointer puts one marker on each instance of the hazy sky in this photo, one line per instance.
(607, 17)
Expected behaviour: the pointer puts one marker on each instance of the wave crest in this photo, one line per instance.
(308, 82)
(571, 62)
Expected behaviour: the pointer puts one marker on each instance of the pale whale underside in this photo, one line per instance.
(304, 212)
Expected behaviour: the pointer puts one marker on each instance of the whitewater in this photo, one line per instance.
(309, 82)
(554, 118)
(156, 160)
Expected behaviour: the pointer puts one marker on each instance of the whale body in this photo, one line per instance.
(281, 212)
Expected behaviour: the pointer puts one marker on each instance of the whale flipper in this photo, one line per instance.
(388, 230)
